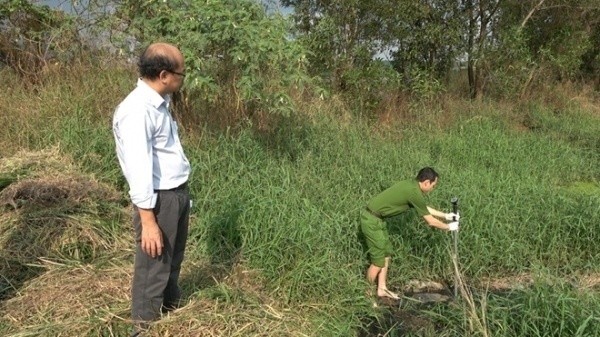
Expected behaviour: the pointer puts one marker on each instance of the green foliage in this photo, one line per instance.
(344, 37)
(324, 57)
(234, 51)
(424, 84)
(550, 307)
(513, 64)
(366, 87)
(558, 38)
(340, 34)
(427, 37)
(564, 53)
(591, 59)
(542, 44)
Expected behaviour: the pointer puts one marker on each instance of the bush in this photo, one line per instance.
(240, 61)
(34, 36)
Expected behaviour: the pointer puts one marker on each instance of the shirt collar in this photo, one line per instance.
(155, 98)
(419, 187)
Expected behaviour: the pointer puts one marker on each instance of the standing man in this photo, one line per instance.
(157, 171)
(397, 199)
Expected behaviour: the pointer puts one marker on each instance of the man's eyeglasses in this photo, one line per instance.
(176, 73)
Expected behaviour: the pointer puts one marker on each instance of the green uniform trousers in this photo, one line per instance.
(377, 236)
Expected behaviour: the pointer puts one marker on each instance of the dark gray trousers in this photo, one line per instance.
(155, 280)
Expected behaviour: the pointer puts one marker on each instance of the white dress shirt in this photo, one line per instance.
(148, 146)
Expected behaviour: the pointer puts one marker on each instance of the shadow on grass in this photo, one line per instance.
(285, 137)
(223, 241)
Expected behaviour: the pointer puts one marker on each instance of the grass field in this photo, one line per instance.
(274, 247)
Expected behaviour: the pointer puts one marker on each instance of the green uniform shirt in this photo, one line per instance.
(400, 197)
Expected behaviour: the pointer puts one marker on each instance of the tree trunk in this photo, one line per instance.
(472, 79)
(471, 70)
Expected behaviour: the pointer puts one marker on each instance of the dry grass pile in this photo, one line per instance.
(210, 318)
(52, 211)
(51, 208)
(69, 301)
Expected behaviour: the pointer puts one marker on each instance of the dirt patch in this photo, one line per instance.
(501, 284)
(398, 322)
(408, 316)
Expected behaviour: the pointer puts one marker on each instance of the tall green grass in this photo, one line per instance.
(286, 202)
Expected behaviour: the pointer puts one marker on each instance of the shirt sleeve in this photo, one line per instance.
(417, 201)
(134, 132)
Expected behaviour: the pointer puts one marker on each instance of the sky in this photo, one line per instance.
(62, 4)
(67, 5)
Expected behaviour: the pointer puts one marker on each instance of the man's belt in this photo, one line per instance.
(375, 214)
(178, 188)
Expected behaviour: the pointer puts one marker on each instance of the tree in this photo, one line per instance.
(33, 35)
(480, 17)
(341, 34)
(426, 37)
(422, 37)
(545, 41)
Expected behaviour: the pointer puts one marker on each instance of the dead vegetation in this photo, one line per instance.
(67, 298)
(55, 222)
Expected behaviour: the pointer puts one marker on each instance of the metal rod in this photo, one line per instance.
(454, 202)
